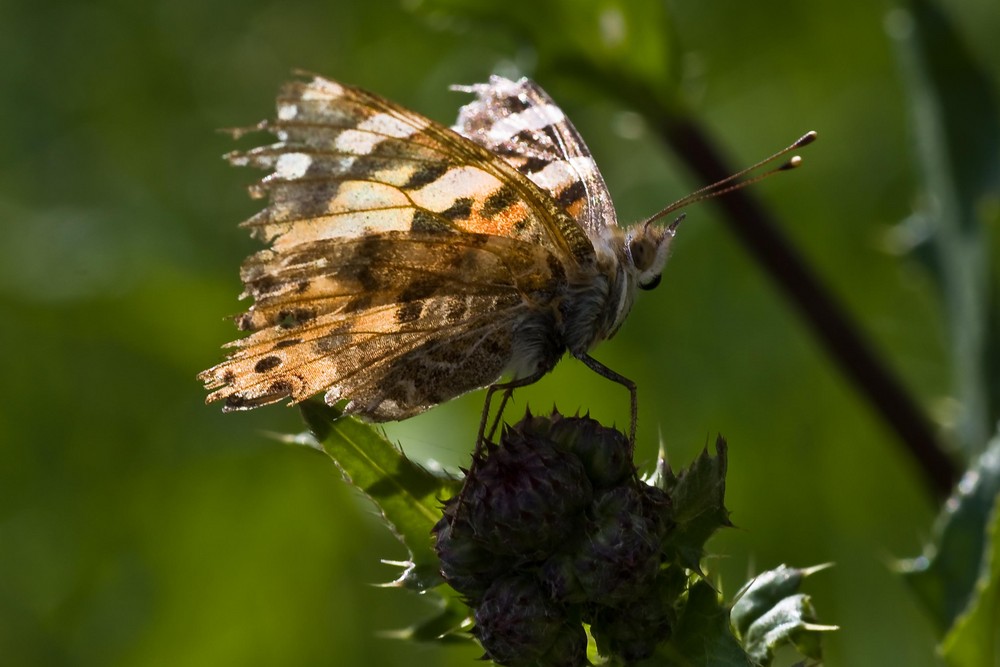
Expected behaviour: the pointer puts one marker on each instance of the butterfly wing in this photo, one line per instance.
(402, 260)
(519, 121)
(349, 163)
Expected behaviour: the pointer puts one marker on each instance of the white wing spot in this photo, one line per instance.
(558, 174)
(358, 143)
(388, 125)
(288, 111)
(322, 89)
(292, 165)
(354, 196)
(531, 119)
(372, 132)
(454, 184)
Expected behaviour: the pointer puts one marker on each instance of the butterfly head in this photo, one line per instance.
(647, 244)
(647, 247)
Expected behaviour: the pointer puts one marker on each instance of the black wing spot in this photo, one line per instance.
(288, 319)
(428, 223)
(533, 164)
(571, 194)
(499, 201)
(267, 363)
(427, 174)
(461, 209)
(409, 312)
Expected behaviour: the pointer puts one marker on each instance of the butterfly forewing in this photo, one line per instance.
(352, 163)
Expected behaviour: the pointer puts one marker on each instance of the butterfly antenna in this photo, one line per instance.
(739, 180)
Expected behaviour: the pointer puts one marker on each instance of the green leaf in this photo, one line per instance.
(602, 39)
(956, 575)
(765, 591)
(974, 640)
(957, 129)
(702, 635)
(956, 123)
(698, 495)
(770, 613)
(407, 495)
(449, 626)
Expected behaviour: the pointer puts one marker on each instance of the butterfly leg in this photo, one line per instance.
(508, 390)
(507, 395)
(483, 438)
(601, 369)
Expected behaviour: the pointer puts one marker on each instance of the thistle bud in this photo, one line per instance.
(604, 452)
(516, 622)
(621, 553)
(466, 564)
(632, 631)
(526, 496)
(553, 529)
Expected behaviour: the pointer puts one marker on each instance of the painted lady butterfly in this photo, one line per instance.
(409, 263)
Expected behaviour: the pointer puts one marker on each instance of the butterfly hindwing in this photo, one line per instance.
(388, 365)
(348, 275)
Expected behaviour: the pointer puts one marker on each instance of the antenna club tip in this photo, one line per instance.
(792, 163)
(806, 139)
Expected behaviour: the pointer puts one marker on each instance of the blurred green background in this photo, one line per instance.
(140, 527)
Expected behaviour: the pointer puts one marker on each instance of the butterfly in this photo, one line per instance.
(408, 263)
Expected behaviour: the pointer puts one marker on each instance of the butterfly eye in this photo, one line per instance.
(654, 281)
(642, 252)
